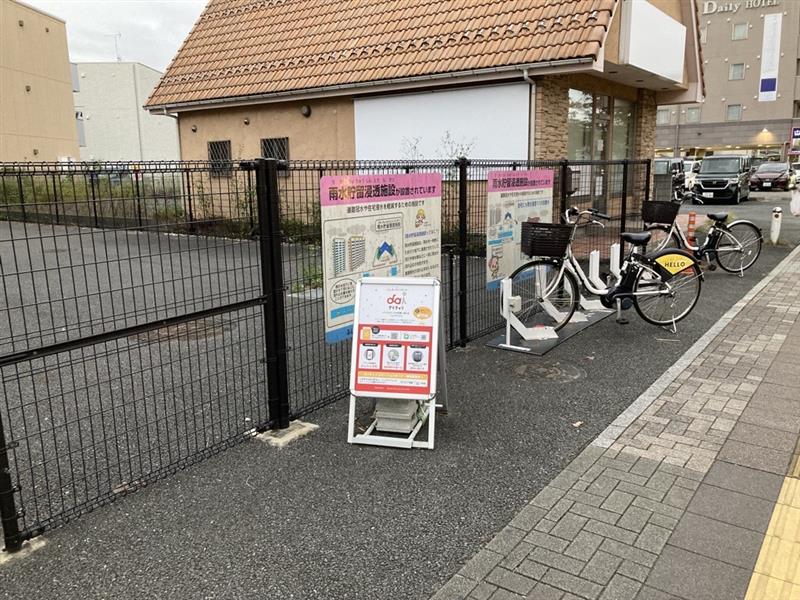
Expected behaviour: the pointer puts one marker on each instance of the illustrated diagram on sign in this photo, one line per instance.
(339, 265)
(385, 255)
(366, 244)
(357, 251)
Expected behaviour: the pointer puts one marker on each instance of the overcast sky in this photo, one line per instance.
(152, 31)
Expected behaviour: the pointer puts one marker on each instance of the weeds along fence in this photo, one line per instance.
(153, 314)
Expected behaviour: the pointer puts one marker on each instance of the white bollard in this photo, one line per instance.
(775, 225)
(613, 261)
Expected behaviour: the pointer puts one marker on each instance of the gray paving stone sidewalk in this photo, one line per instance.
(673, 500)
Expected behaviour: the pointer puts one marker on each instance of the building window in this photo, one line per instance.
(662, 116)
(693, 114)
(797, 109)
(739, 31)
(275, 148)
(734, 112)
(736, 71)
(219, 154)
(798, 68)
(622, 129)
(599, 127)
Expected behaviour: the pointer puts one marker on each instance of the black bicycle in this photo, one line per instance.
(734, 246)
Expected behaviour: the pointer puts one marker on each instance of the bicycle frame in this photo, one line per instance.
(634, 260)
(709, 246)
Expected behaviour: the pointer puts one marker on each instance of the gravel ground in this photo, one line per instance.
(321, 519)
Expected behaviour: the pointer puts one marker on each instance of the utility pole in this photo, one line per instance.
(677, 150)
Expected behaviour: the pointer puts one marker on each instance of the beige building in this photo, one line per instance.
(751, 60)
(37, 117)
(509, 79)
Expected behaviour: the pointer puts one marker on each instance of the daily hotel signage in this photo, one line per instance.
(714, 6)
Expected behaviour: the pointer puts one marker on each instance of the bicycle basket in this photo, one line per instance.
(545, 239)
(659, 211)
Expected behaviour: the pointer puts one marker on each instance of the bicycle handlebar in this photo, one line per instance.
(575, 211)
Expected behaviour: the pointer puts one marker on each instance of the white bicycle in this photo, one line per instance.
(662, 286)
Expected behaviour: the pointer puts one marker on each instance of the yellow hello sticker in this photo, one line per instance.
(423, 312)
(675, 263)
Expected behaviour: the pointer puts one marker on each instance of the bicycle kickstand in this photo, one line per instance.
(674, 328)
(620, 319)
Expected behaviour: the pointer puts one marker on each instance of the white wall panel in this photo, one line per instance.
(652, 40)
(491, 120)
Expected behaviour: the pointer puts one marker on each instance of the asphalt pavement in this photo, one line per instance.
(321, 519)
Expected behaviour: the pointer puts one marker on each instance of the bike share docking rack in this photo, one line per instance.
(539, 340)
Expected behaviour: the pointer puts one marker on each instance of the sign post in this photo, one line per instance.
(397, 352)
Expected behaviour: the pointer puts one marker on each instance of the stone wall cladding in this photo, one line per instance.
(645, 143)
(550, 126)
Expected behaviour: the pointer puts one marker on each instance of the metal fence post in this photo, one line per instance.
(21, 197)
(562, 186)
(55, 200)
(8, 511)
(647, 180)
(138, 198)
(623, 209)
(463, 216)
(94, 199)
(269, 239)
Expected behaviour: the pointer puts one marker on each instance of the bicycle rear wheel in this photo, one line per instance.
(666, 302)
(661, 237)
(738, 247)
(549, 295)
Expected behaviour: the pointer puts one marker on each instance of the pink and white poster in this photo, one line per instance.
(376, 226)
(513, 197)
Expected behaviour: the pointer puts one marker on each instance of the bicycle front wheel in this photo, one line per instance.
(738, 247)
(549, 294)
(661, 302)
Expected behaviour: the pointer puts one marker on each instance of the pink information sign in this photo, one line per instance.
(513, 197)
(376, 226)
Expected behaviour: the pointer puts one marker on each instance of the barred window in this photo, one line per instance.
(275, 148)
(219, 154)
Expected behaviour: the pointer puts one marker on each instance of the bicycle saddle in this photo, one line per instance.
(718, 216)
(636, 239)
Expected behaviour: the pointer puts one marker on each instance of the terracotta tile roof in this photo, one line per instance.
(244, 48)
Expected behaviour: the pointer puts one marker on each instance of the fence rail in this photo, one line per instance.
(152, 314)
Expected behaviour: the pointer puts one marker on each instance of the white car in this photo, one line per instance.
(691, 168)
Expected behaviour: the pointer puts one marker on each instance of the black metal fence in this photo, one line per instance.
(154, 314)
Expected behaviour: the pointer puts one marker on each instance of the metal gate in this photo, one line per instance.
(138, 328)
